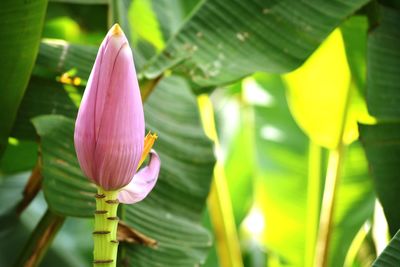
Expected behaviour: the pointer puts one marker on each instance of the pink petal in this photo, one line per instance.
(109, 130)
(142, 183)
(120, 135)
(84, 136)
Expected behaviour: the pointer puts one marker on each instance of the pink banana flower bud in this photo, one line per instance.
(110, 127)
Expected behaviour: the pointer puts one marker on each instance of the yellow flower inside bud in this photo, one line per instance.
(148, 144)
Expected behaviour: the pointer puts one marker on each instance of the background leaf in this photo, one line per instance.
(390, 257)
(383, 59)
(318, 94)
(235, 134)
(381, 144)
(20, 31)
(213, 47)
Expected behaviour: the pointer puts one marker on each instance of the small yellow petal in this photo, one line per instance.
(148, 144)
(77, 81)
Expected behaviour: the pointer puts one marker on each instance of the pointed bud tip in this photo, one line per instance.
(116, 29)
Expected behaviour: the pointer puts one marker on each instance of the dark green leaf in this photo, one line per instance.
(226, 40)
(390, 257)
(57, 57)
(20, 155)
(59, 99)
(382, 146)
(20, 29)
(383, 79)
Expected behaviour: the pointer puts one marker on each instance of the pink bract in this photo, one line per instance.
(110, 127)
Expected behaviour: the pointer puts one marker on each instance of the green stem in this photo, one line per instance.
(313, 201)
(40, 240)
(333, 174)
(219, 199)
(105, 229)
(221, 213)
(328, 204)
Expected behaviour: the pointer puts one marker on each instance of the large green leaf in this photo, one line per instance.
(228, 39)
(172, 212)
(60, 99)
(318, 94)
(382, 146)
(57, 57)
(383, 57)
(390, 257)
(20, 29)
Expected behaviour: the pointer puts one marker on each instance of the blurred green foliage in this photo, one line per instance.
(291, 84)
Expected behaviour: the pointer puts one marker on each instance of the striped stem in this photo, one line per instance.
(105, 229)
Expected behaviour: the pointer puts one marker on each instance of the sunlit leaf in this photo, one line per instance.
(319, 92)
(145, 24)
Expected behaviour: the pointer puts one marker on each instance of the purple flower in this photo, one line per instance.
(109, 130)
